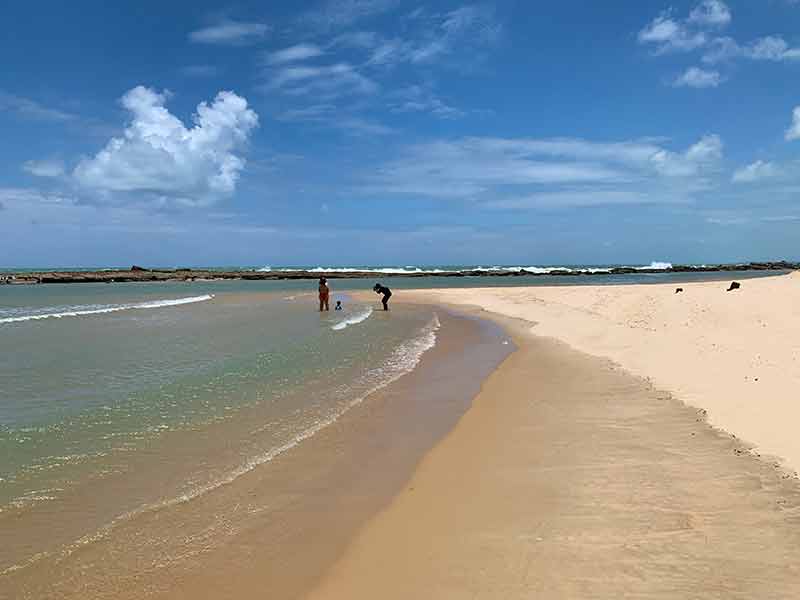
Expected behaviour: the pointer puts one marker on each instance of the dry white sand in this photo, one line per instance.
(735, 354)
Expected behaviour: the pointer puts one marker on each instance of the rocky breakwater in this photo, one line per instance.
(137, 273)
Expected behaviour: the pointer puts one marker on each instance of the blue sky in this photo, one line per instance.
(394, 132)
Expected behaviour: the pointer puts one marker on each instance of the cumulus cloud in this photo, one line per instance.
(294, 53)
(793, 132)
(755, 172)
(44, 168)
(159, 156)
(698, 78)
(230, 32)
(713, 13)
(670, 35)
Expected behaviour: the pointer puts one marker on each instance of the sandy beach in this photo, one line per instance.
(587, 467)
(736, 355)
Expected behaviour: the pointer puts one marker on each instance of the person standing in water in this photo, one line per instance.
(324, 294)
(385, 292)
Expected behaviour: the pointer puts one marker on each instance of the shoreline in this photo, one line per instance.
(569, 477)
(139, 274)
(278, 526)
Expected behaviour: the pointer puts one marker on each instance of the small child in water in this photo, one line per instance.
(338, 305)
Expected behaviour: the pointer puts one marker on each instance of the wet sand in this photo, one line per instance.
(570, 478)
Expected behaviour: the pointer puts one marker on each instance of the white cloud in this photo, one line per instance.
(452, 35)
(360, 126)
(493, 168)
(670, 35)
(707, 150)
(582, 198)
(793, 132)
(159, 156)
(25, 107)
(44, 168)
(329, 116)
(714, 13)
(771, 48)
(230, 32)
(417, 98)
(698, 78)
(722, 49)
(295, 53)
(341, 13)
(315, 112)
(323, 81)
(357, 39)
(755, 172)
(781, 218)
(469, 26)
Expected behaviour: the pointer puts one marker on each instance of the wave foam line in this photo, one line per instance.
(655, 265)
(80, 311)
(354, 320)
(403, 360)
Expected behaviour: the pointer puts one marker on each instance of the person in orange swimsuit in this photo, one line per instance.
(324, 294)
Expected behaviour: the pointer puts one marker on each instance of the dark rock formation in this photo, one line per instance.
(735, 285)
(137, 273)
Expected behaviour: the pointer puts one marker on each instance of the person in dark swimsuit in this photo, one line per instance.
(385, 292)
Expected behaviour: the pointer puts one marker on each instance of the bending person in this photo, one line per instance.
(385, 292)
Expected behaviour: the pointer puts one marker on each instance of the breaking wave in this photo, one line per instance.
(412, 270)
(656, 266)
(98, 309)
(353, 320)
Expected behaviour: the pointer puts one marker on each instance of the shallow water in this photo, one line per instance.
(86, 395)
(132, 424)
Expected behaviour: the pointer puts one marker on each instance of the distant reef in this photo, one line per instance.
(137, 273)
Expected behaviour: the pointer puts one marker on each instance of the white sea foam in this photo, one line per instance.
(377, 270)
(656, 266)
(84, 310)
(353, 319)
(412, 270)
